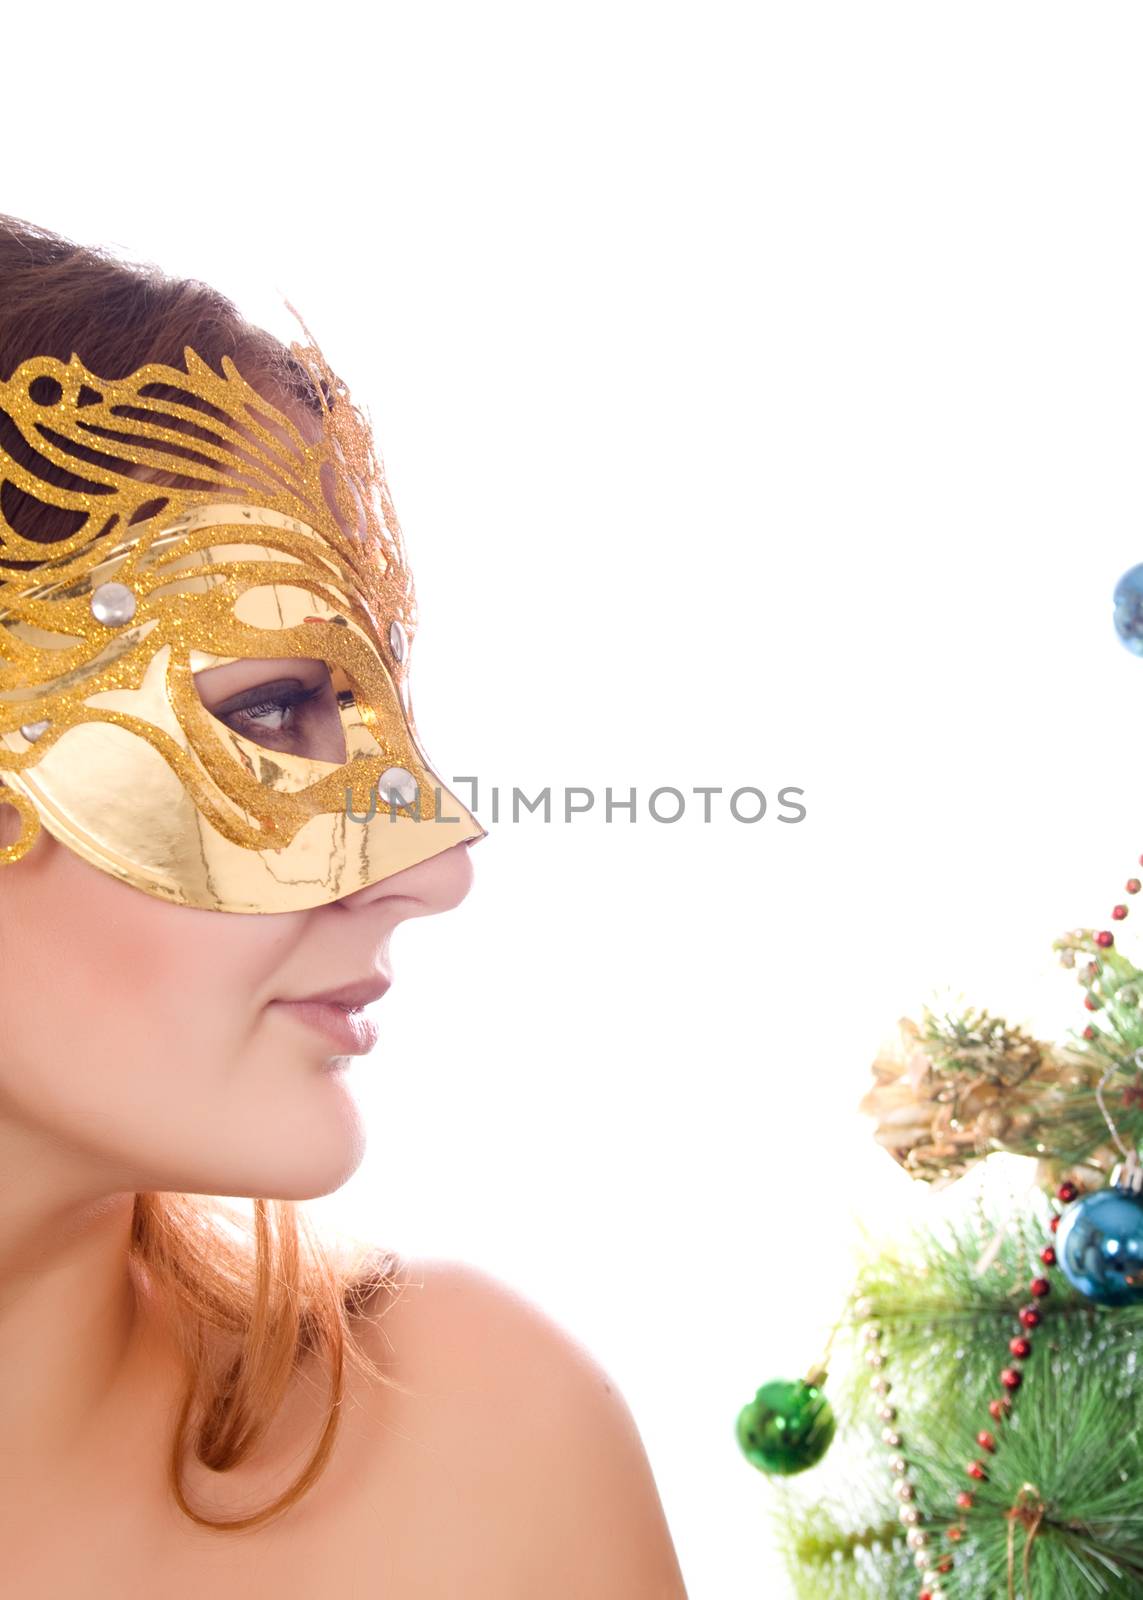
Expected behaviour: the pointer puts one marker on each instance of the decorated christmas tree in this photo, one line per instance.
(975, 1426)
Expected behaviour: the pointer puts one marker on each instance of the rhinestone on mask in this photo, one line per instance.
(113, 604)
(34, 730)
(397, 641)
(397, 786)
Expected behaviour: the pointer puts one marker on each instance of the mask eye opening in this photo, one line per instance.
(288, 708)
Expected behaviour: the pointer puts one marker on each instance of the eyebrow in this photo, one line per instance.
(254, 696)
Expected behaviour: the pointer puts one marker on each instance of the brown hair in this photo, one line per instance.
(277, 1296)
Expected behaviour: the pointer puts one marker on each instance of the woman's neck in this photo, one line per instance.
(70, 1329)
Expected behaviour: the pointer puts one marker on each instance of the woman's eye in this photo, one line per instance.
(276, 714)
(288, 716)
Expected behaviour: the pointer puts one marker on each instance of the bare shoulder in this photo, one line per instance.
(532, 1438)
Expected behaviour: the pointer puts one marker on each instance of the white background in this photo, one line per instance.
(760, 392)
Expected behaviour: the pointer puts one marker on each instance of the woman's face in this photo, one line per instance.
(165, 1047)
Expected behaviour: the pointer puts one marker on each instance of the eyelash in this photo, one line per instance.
(288, 700)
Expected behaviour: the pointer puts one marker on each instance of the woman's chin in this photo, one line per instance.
(297, 1153)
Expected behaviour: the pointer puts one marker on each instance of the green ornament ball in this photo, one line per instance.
(787, 1427)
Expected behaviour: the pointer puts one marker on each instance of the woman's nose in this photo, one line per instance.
(438, 884)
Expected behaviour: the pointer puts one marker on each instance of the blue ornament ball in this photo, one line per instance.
(1128, 615)
(1099, 1247)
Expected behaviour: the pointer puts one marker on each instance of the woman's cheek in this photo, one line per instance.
(150, 966)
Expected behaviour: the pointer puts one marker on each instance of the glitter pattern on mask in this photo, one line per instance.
(271, 545)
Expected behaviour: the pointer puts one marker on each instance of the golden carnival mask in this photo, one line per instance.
(271, 546)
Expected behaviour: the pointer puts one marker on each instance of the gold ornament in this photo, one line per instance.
(950, 1093)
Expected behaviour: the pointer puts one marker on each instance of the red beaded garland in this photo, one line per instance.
(1054, 1224)
(1104, 939)
(1011, 1378)
(1067, 1192)
(956, 1532)
(1132, 886)
(1119, 912)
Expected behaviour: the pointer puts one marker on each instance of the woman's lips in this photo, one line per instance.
(347, 1027)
